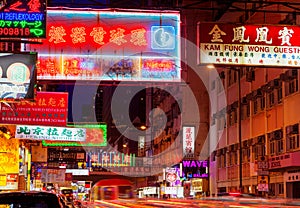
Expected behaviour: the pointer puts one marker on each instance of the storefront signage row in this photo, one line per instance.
(257, 45)
(50, 133)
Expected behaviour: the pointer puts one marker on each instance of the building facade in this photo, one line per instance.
(269, 132)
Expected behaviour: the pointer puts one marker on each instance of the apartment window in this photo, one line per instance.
(271, 98)
(292, 137)
(259, 150)
(221, 119)
(221, 123)
(232, 117)
(276, 142)
(246, 154)
(279, 95)
(279, 146)
(272, 147)
(293, 142)
(232, 77)
(280, 188)
(258, 104)
(245, 109)
(291, 85)
(222, 163)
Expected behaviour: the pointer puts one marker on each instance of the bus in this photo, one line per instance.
(112, 189)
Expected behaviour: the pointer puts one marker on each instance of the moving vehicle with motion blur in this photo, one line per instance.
(66, 195)
(112, 189)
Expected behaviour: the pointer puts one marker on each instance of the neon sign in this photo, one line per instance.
(96, 136)
(110, 45)
(23, 19)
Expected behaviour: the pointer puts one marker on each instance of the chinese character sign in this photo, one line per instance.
(48, 108)
(9, 154)
(107, 45)
(50, 133)
(23, 19)
(188, 141)
(258, 45)
(96, 136)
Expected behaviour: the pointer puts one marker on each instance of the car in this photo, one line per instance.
(30, 199)
(67, 194)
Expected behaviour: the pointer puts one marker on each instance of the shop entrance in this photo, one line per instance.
(292, 190)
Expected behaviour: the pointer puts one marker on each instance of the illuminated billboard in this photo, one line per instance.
(96, 135)
(249, 45)
(23, 19)
(18, 76)
(110, 45)
(49, 108)
(50, 133)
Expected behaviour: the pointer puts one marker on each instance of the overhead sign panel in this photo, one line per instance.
(110, 45)
(23, 19)
(17, 76)
(96, 136)
(49, 108)
(250, 45)
(50, 133)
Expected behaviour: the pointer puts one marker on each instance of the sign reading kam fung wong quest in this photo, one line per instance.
(50, 133)
(252, 45)
(23, 19)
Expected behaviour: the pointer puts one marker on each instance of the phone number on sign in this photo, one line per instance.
(15, 31)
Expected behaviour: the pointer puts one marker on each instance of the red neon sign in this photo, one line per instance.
(162, 65)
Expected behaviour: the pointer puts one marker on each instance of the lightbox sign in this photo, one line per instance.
(48, 108)
(18, 76)
(110, 45)
(195, 168)
(96, 136)
(23, 19)
(188, 141)
(110, 159)
(250, 45)
(50, 133)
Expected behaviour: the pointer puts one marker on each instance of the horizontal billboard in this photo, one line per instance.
(110, 45)
(96, 136)
(249, 45)
(17, 76)
(50, 133)
(48, 108)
